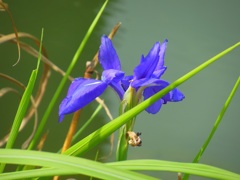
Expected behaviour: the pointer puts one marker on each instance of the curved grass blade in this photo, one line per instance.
(190, 168)
(67, 164)
(102, 133)
(13, 156)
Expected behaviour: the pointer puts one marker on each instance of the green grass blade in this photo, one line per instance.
(216, 124)
(63, 81)
(68, 164)
(138, 165)
(34, 173)
(106, 130)
(22, 108)
(190, 168)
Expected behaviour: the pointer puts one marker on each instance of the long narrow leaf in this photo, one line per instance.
(216, 124)
(73, 165)
(68, 164)
(190, 168)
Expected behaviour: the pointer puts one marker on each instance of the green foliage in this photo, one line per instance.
(59, 164)
(67, 165)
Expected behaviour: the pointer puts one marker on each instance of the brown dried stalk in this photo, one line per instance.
(4, 6)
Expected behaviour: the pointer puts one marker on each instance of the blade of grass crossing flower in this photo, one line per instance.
(216, 125)
(22, 108)
(68, 164)
(99, 135)
(63, 81)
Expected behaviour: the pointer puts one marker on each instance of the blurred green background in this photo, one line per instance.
(196, 30)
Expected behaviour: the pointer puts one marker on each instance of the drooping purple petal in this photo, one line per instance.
(177, 95)
(81, 92)
(112, 75)
(155, 107)
(150, 91)
(174, 95)
(148, 82)
(107, 56)
(113, 78)
(148, 64)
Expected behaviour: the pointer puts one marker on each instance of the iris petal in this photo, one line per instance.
(155, 107)
(81, 92)
(108, 57)
(174, 95)
(118, 89)
(148, 82)
(148, 64)
(158, 73)
(112, 75)
(163, 48)
(126, 82)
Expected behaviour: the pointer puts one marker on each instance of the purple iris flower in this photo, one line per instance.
(146, 78)
(82, 91)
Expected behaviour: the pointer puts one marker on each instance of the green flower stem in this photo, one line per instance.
(63, 81)
(128, 103)
(102, 133)
(216, 125)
